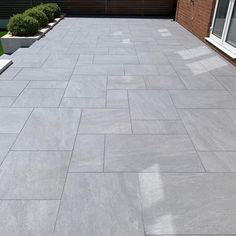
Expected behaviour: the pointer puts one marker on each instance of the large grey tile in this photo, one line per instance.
(164, 82)
(158, 127)
(6, 141)
(49, 129)
(33, 175)
(148, 58)
(13, 119)
(12, 88)
(203, 99)
(211, 130)
(219, 161)
(10, 73)
(39, 98)
(100, 204)
(44, 74)
(105, 121)
(151, 153)
(126, 82)
(188, 203)
(151, 105)
(47, 84)
(28, 217)
(60, 61)
(6, 101)
(99, 69)
(88, 154)
(228, 82)
(86, 86)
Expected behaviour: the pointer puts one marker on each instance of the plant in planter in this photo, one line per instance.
(23, 25)
(49, 12)
(56, 9)
(38, 15)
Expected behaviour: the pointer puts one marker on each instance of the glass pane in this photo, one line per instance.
(231, 38)
(221, 13)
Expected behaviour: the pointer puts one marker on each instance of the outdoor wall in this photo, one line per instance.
(196, 16)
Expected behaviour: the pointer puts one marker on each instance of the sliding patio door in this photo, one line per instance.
(223, 30)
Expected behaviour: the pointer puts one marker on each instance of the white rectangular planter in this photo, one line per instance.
(11, 43)
(4, 63)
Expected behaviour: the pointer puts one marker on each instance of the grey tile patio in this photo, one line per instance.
(100, 204)
(105, 121)
(39, 98)
(171, 153)
(28, 217)
(206, 203)
(120, 98)
(151, 105)
(49, 129)
(33, 175)
(13, 119)
(211, 130)
(88, 154)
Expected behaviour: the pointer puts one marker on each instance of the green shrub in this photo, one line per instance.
(23, 25)
(49, 12)
(56, 9)
(38, 15)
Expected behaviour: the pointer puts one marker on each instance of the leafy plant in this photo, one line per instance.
(49, 12)
(38, 15)
(23, 25)
(56, 9)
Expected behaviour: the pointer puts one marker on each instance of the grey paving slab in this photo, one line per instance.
(44, 74)
(6, 141)
(117, 99)
(39, 98)
(47, 84)
(211, 130)
(206, 203)
(90, 87)
(13, 119)
(88, 154)
(219, 161)
(164, 82)
(27, 60)
(100, 204)
(227, 81)
(33, 175)
(85, 59)
(141, 70)
(203, 99)
(126, 82)
(6, 101)
(105, 121)
(49, 129)
(171, 153)
(99, 69)
(158, 127)
(60, 61)
(122, 51)
(199, 81)
(115, 59)
(28, 217)
(83, 102)
(151, 105)
(12, 88)
(152, 58)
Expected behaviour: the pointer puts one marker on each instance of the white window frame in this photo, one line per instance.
(221, 42)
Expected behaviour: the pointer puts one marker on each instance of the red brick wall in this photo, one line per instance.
(196, 15)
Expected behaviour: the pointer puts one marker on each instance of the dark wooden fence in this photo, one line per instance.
(96, 7)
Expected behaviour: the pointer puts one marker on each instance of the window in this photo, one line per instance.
(223, 30)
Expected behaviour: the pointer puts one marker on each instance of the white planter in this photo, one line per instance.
(4, 63)
(11, 43)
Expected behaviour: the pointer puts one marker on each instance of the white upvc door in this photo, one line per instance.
(223, 30)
